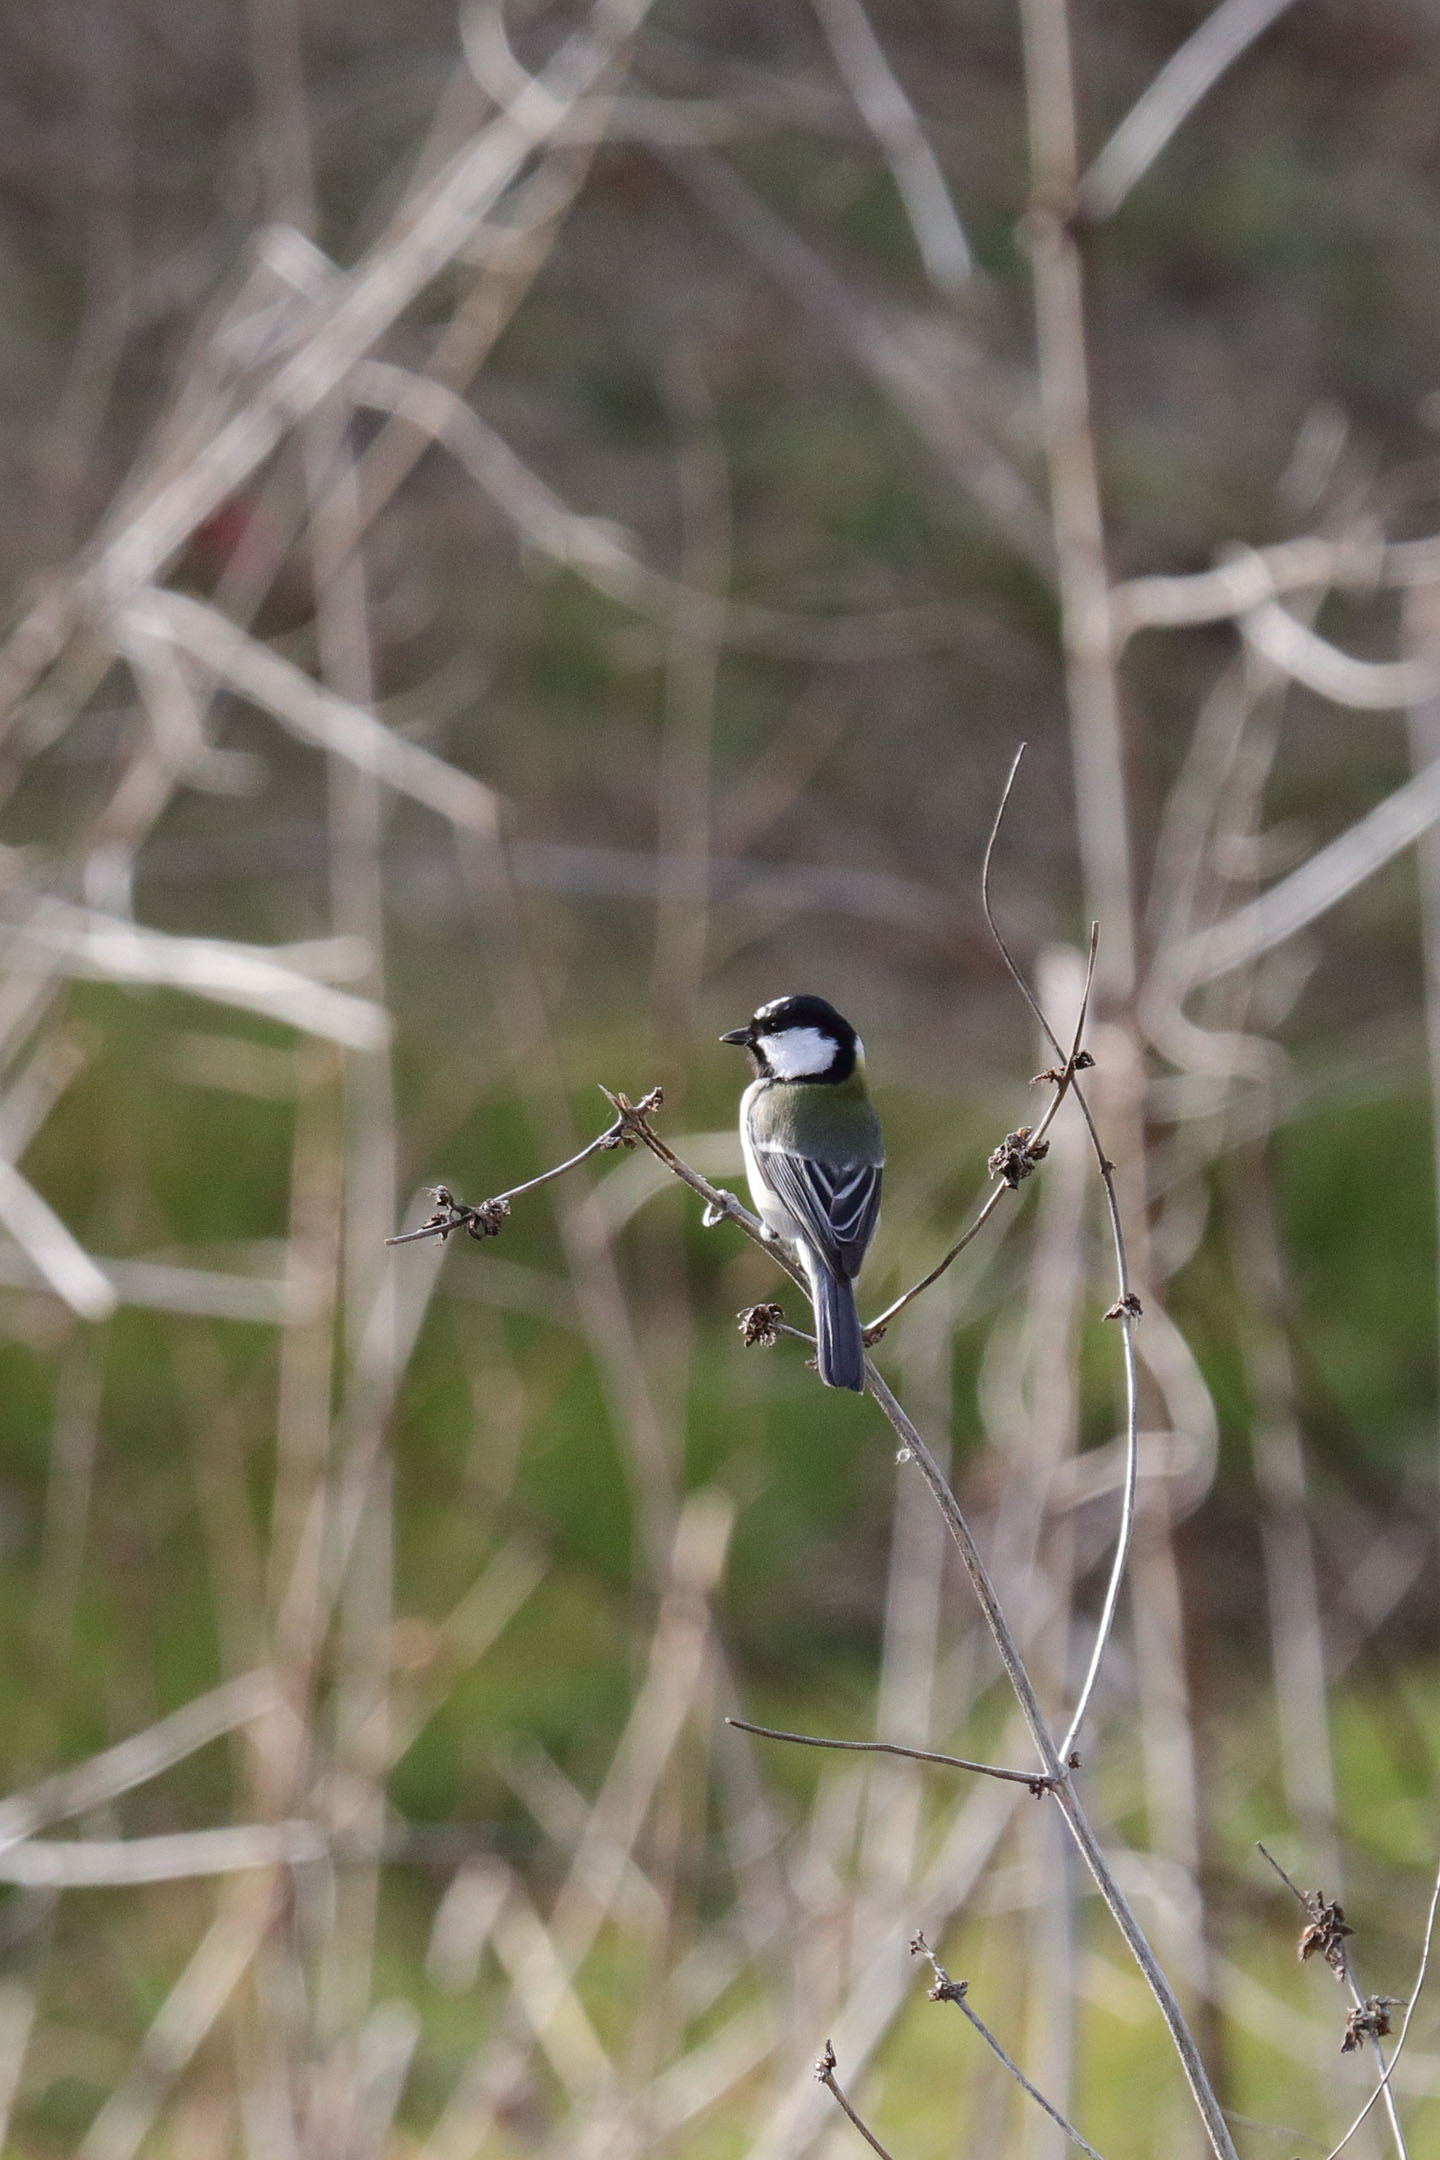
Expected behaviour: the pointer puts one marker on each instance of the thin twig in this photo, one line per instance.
(956, 1991)
(876, 1327)
(892, 1747)
(1030, 1144)
(1058, 1768)
(1384, 2084)
(825, 2071)
(459, 1215)
(1326, 1931)
(1126, 1308)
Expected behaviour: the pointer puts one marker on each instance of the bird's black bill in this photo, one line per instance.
(742, 1036)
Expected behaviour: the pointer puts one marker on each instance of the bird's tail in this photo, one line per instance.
(838, 1338)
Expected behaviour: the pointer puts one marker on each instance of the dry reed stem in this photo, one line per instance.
(135, 1761)
(189, 2012)
(1167, 103)
(896, 127)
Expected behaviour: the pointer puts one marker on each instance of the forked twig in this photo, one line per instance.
(1022, 1149)
(956, 1991)
(1037, 1784)
(1126, 1308)
(484, 1217)
(1055, 1767)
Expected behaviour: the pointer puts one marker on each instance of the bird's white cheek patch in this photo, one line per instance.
(799, 1053)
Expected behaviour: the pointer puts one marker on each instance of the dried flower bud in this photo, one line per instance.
(760, 1326)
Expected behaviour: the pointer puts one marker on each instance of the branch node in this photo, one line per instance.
(760, 1325)
(1126, 1308)
(945, 1989)
(1061, 1075)
(630, 1117)
(479, 1221)
(825, 2063)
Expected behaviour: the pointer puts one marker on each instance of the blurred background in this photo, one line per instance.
(523, 536)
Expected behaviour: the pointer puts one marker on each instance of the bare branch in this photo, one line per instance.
(1320, 883)
(1326, 1932)
(136, 1760)
(86, 942)
(318, 715)
(892, 120)
(1365, 685)
(90, 1863)
(876, 1327)
(484, 1218)
(1420, 1977)
(1037, 1784)
(605, 554)
(60, 1261)
(961, 445)
(825, 2071)
(957, 1992)
(1017, 1154)
(1058, 1769)
(1126, 1308)
(1187, 76)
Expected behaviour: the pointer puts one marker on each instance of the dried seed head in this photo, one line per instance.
(1370, 2020)
(1325, 1931)
(1017, 1156)
(760, 1326)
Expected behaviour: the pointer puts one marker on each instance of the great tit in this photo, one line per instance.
(813, 1156)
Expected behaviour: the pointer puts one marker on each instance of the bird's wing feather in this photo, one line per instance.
(836, 1205)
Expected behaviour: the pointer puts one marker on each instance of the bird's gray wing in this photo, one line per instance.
(837, 1206)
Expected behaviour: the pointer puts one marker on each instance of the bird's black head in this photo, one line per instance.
(799, 1038)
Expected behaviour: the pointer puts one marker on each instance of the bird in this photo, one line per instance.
(813, 1157)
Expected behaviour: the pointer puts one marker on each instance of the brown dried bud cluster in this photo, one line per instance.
(1325, 1931)
(484, 1220)
(945, 1989)
(1017, 1156)
(481, 1221)
(1369, 2021)
(760, 1326)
